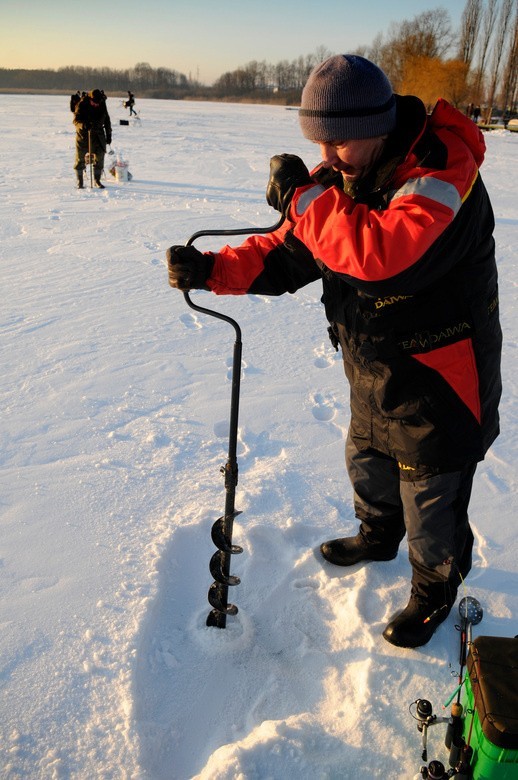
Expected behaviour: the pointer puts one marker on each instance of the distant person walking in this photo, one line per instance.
(93, 134)
(130, 102)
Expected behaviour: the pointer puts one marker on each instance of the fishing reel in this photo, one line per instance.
(425, 718)
(437, 771)
(460, 754)
(434, 771)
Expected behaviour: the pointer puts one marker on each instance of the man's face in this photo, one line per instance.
(354, 158)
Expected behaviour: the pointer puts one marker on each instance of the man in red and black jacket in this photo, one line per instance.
(397, 223)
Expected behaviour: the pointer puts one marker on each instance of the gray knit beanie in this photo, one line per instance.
(347, 97)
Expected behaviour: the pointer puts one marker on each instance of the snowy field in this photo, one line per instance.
(115, 405)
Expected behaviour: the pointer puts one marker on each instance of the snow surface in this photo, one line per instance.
(115, 408)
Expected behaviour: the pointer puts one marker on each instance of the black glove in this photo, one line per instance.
(287, 172)
(109, 140)
(188, 268)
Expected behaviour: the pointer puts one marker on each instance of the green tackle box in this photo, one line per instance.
(491, 708)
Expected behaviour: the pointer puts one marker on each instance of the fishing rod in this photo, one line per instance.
(222, 529)
(471, 613)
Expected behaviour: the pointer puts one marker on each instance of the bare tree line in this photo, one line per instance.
(154, 82)
(475, 65)
(478, 64)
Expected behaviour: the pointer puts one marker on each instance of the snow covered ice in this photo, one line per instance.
(115, 408)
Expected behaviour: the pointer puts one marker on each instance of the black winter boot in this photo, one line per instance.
(97, 180)
(416, 624)
(80, 184)
(353, 549)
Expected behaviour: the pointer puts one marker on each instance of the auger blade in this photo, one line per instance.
(219, 538)
(216, 569)
(215, 600)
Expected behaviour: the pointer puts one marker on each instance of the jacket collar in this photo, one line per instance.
(410, 126)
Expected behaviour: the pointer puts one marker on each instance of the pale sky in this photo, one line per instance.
(201, 38)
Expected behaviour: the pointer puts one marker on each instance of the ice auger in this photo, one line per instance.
(221, 533)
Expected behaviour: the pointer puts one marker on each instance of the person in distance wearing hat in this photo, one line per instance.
(398, 225)
(91, 117)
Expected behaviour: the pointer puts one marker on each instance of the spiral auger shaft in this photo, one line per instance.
(219, 565)
(223, 527)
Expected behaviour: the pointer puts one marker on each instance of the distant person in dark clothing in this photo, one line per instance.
(130, 102)
(93, 134)
(74, 100)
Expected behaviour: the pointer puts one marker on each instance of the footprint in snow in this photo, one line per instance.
(323, 407)
(323, 359)
(306, 584)
(494, 482)
(229, 363)
(190, 320)
(222, 429)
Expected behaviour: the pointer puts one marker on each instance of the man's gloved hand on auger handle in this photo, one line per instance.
(188, 268)
(287, 173)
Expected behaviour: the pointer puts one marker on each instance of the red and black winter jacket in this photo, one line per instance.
(410, 286)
